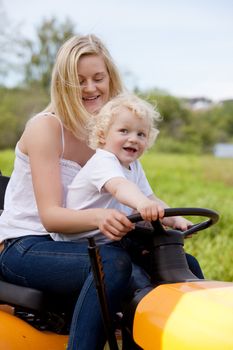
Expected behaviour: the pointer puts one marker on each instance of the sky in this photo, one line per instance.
(184, 47)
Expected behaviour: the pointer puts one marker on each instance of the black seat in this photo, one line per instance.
(23, 297)
(3, 184)
(12, 294)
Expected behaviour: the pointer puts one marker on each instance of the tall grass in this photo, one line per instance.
(190, 181)
(6, 162)
(194, 181)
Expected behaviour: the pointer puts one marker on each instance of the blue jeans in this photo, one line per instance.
(64, 268)
(141, 240)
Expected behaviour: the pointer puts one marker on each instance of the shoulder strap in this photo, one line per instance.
(62, 128)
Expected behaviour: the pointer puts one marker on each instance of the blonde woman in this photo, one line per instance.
(49, 154)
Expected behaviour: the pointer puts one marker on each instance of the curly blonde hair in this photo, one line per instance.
(66, 97)
(100, 123)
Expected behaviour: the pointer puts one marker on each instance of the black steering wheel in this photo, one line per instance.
(212, 216)
(168, 263)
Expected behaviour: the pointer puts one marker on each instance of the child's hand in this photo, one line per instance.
(150, 210)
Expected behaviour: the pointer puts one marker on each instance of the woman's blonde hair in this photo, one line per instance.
(100, 124)
(66, 97)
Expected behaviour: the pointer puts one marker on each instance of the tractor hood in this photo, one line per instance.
(186, 316)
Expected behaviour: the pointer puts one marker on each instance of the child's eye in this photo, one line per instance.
(141, 134)
(123, 131)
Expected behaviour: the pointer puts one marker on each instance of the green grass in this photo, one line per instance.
(6, 162)
(194, 181)
(190, 181)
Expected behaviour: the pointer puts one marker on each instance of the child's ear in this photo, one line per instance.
(101, 137)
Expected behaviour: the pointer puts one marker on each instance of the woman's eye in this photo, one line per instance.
(99, 79)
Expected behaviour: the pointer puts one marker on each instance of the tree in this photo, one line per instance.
(10, 47)
(17, 105)
(40, 54)
(175, 115)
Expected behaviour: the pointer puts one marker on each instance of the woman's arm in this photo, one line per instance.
(41, 141)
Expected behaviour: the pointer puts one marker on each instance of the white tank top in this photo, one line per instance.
(20, 216)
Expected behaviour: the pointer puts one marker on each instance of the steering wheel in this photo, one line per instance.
(167, 256)
(212, 216)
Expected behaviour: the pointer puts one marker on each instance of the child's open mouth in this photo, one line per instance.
(130, 149)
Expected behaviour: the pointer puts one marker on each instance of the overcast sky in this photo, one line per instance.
(182, 46)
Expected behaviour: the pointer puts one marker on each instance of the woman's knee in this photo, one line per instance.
(117, 263)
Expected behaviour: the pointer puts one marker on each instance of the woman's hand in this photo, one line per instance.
(114, 224)
(150, 210)
(177, 222)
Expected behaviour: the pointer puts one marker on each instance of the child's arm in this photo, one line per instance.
(127, 193)
(177, 222)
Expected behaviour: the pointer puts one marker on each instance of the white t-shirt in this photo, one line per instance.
(87, 189)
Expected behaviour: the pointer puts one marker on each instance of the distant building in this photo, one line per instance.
(223, 150)
(226, 101)
(198, 103)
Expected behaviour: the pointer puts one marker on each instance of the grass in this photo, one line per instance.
(190, 181)
(6, 162)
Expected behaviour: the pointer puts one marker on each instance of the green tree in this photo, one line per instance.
(224, 115)
(17, 105)
(34, 60)
(10, 47)
(183, 130)
(40, 54)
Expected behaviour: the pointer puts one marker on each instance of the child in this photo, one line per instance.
(113, 177)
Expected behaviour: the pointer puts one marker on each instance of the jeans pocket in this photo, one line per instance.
(12, 277)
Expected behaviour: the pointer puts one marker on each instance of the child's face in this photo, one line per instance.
(127, 137)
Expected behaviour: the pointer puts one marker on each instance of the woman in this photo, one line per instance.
(49, 154)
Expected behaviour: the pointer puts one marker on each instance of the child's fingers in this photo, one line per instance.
(152, 212)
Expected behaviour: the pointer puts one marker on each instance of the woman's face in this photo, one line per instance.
(94, 82)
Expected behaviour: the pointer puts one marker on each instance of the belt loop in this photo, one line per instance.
(8, 242)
